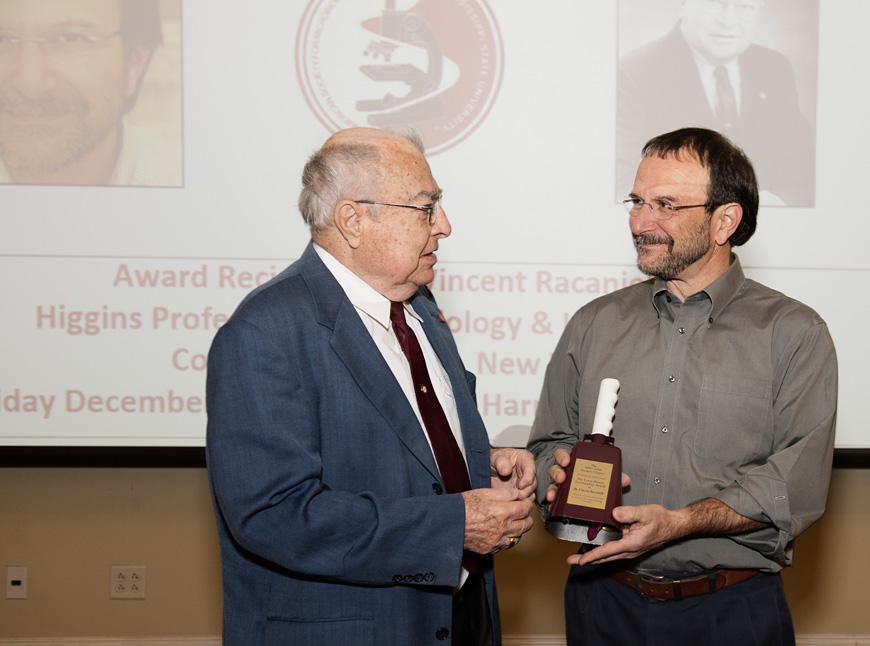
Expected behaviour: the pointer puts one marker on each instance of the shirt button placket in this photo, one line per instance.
(663, 444)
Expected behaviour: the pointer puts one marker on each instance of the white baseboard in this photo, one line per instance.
(509, 640)
(114, 641)
(833, 640)
(802, 640)
(533, 640)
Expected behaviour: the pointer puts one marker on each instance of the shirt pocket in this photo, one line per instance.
(734, 419)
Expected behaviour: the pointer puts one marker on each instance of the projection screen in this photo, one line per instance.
(148, 185)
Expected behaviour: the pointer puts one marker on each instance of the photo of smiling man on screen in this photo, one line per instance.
(70, 73)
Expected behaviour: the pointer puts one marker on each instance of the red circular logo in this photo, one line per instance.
(432, 64)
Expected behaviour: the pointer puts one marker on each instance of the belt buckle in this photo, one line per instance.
(652, 580)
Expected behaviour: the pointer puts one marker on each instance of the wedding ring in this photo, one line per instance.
(514, 540)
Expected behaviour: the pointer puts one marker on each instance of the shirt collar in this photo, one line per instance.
(720, 292)
(707, 68)
(723, 290)
(124, 164)
(361, 295)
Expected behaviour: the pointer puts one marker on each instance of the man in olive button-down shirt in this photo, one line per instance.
(726, 416)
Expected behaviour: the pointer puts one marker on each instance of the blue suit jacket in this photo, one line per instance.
(332, 522)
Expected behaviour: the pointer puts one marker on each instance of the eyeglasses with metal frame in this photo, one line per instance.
(430, 209)
(660, 210)
(66, 43)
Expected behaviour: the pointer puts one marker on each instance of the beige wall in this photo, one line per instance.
(68, 525)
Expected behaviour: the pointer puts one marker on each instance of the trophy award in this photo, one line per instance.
(582, 510)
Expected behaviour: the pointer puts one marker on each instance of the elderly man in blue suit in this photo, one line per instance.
(340, 518)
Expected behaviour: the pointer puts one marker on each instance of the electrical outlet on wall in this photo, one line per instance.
(16, 582)
(127, 582)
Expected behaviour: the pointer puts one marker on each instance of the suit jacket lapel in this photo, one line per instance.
(356, 349)
(691, 99)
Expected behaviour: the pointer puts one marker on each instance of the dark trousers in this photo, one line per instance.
(601, 610)
(472, 622)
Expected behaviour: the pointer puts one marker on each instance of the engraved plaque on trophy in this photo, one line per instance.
(582, 510)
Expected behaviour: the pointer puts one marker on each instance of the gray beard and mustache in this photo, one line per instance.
(47, 148)
(677, 259)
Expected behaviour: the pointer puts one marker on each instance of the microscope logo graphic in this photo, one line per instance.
(432, 64)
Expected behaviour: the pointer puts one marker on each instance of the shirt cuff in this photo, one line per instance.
(765, 501)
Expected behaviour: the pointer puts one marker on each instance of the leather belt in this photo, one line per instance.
(663, 589)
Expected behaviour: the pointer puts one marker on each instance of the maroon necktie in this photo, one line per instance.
(726, 101)
(451, 464)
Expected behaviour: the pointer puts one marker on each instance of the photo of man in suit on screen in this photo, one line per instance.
(709, 70)
(70, 73)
